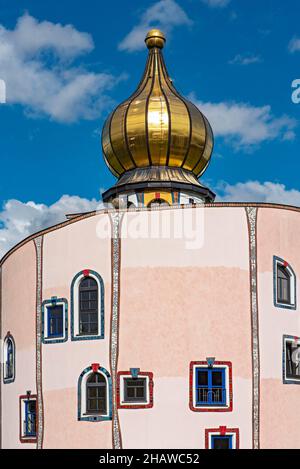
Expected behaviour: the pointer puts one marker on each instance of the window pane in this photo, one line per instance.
(221, 442)
(217, 378)
(203, 378)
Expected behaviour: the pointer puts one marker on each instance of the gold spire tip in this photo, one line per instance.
(155, 38)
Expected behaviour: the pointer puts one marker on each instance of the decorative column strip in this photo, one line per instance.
(40, 408)
(252, 227)
(114, 337)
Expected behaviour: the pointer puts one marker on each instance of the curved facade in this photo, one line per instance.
(179, 340)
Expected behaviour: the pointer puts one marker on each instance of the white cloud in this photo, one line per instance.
(294, 45)
(245, 59)
(244, 126)
(165, 15)
(254, 191)
(36, 62)
(18, 219)
(216, 3)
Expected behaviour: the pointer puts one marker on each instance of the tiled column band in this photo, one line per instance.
(114, 337)
(252, 227)
(40, 410)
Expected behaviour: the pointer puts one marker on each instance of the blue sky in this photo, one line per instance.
(66, 64)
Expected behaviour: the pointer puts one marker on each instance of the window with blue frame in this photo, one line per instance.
(210, 387)
(55, 318)
(9, 359)
(221, 442)
(29, 424)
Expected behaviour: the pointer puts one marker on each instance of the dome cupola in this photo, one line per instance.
(157, 135)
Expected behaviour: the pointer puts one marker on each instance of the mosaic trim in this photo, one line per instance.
(10, 380)
(82, 273)
(278, 260)
(54, 301)
(203, 364)
(222, 431)
(251, 213)
(288, 338)
(94, 418)
(114, 338)
(133, 405)
(40, 407)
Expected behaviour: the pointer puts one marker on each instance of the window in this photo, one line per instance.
(284, 284)
(94, 394)
(222, 438)
(291, 360)
(157, 202)
(211, 386)
(55, 320)
(28, 418)
(135, 389)
(9, 359)
(87, 306)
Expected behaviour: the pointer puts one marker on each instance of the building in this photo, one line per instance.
(164, 320)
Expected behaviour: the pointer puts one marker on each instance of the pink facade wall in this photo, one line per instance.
(18, 317)
(178, 304)
(278, 235)
(66, 252)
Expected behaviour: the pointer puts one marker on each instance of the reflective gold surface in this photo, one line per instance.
(156, 126)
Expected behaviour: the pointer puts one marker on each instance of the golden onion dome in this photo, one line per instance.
(156, 126)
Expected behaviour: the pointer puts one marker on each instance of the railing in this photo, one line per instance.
(29, 427)
(213, 396)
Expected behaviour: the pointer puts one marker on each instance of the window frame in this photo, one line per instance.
(285, 378)
(75, 332)
(54, 301)
(228, 405)
(234, 433)
(22, 404)
(122, 403)
(8, 338)
(82, 413)
(292, 304)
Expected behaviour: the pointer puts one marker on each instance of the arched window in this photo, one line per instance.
(88, 306)
(94, 394)
(9, 359)
(96, 391)
(283, 285)
(156, 202)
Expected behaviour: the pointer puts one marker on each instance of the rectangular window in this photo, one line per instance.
(221, 442)
(135, 389)
(291, 359)
(28, 418)
(55, 321)
(210, 386)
